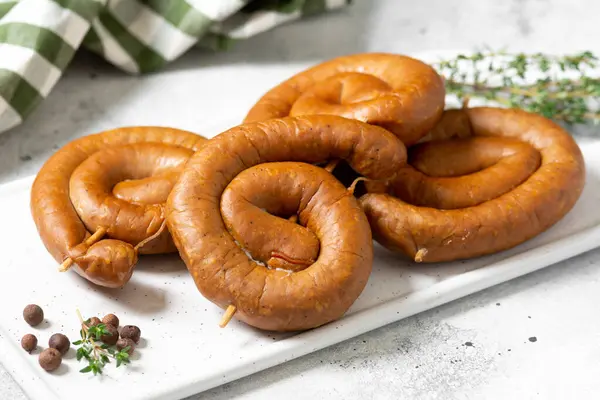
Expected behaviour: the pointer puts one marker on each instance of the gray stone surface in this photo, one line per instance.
(536, 337)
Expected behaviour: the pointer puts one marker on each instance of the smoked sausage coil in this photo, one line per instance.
(396, 92)
(484, 180)
(111, 184)
(230, 211)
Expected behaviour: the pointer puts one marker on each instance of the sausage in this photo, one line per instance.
(484, 180)
(462, 173)
(399, 93)
(275, 241)
(250, 180)
(113, 183)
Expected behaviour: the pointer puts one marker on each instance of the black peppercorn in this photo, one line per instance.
(131, 332)
(112, 337)
(111, 319)
(33, 314)
(29, 342)
(126, 342)
(50, 359)
(59, 342)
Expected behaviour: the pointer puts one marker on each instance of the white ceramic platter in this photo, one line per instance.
(183, 350)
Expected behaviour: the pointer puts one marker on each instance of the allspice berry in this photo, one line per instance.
(92, 322)
(112, 337)
(111, 319)
(33, 314)
(131, 332)
(50, 359)
(126, 342)
(29, 342)
(59, 342)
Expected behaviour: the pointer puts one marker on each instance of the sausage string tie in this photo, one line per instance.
(229, 312)
(151, 237)
(331, 165)
(100, 232)
(465, 102)
(352, 187)
(420, 255)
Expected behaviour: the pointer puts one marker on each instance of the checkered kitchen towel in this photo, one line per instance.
(38, 38)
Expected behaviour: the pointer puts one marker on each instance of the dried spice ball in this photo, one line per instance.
(111, 319)
(122, 343)
(131, 332)
(50, 359)
(59, 342)
(29, 342)
(92, 322)
(33, 314)
(112, 337)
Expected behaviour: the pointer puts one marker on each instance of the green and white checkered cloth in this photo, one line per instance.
(38, 38)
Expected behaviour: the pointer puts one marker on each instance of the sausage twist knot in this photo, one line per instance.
(112, 184)
(398, 93)
(484, 180)
(229, 216)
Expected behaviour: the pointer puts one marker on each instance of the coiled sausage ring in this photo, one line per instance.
(232, 216)
(398, 93)
(484, 180)
(111, 184)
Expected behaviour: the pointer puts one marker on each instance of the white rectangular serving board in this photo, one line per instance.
(183, 350)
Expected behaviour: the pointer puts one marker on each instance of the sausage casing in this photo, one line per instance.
(399, 93)
(278, 153)
(79, 178)
(450, 224)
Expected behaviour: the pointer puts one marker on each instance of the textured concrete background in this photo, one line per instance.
(537, 337)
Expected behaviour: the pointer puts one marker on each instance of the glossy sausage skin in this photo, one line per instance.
(460, 173)
(271, 236)
(536, 181)
(270, 163)
(72, 196)
(399, 93)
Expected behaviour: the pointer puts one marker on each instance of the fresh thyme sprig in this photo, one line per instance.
(557, 87)
(97, 355)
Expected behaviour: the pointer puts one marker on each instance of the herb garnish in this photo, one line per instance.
(97, 355)
(562, 90)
